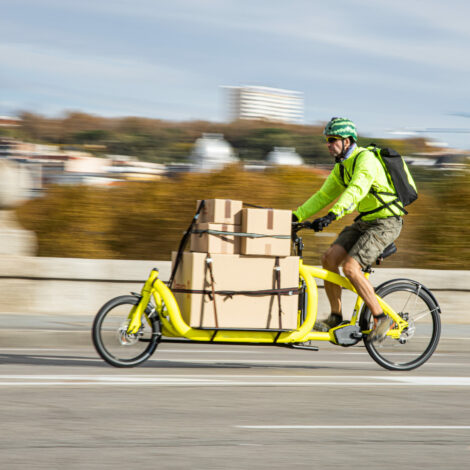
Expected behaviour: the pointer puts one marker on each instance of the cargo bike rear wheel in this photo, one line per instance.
(110, 337)
(416, 344)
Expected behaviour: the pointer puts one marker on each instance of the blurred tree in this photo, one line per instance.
(162, 141)
(147, 220)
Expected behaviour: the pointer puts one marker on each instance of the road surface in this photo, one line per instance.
(199, 406)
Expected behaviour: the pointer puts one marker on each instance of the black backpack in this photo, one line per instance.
(399, 174)
(399, 177)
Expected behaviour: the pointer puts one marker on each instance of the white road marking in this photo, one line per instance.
(76, 358)
(230, 380)
(311, 362)
(293, 426)
(39, 349)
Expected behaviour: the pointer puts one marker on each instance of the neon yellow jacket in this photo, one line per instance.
(360, 175)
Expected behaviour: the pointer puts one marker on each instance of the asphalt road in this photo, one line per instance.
(231, 407)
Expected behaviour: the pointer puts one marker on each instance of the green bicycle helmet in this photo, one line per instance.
(342, 127)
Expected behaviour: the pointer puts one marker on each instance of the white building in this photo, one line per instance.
(212, 152)
(271, 104)
(286, 156)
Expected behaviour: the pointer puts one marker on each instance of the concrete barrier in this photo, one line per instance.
(71, 286)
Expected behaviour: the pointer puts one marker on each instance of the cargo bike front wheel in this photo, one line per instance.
(110, 337)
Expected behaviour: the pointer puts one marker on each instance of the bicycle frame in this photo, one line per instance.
(173, 324)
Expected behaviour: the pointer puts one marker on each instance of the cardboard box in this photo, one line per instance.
(236, 273)
(266, 222)
(221, 211)
(215, 243)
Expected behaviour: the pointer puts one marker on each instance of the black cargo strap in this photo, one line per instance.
(231, 293)
(254, 206)
(211, 273)
(183, 242)
(238, 234)
(277, 286)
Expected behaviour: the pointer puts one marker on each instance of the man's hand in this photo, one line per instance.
(319, 224)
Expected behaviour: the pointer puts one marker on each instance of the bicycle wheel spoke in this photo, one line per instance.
(422, 314)
(410, 296)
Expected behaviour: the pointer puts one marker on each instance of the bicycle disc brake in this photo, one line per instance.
(126, 339)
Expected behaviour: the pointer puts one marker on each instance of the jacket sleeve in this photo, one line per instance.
(365, 173)
(329, 191)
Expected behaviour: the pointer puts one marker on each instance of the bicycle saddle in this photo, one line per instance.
(389, 250)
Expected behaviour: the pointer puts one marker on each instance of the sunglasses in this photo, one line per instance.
(332, 139)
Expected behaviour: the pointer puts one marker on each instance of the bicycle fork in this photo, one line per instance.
(137, 312)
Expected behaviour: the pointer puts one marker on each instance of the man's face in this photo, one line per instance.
(335, 144)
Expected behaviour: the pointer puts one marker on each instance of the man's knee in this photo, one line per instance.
(333, 257)
(351, 267)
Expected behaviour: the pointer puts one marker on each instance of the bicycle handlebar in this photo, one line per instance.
(297, 226)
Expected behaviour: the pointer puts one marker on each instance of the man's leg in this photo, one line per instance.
(332, 260)
(353, 271)
(376, 236)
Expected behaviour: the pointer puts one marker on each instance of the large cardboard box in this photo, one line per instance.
(215, 243)
(236, 273)
(266, 222)
(221, 211)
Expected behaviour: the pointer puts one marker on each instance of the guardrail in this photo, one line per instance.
(73, 286)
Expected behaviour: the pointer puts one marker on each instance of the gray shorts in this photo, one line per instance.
(366, 240)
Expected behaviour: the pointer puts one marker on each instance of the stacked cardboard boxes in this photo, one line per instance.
(229, 281)
(217, 220)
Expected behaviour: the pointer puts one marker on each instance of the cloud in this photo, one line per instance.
(49, 62)
(373, 28)
(168, 58)
(430, 33)
(460, 114)
(100, 82)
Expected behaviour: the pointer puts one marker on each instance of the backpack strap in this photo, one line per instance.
(385, 205)
(342, 169)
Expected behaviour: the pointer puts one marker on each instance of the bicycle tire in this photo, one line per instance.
(111, 340)
(396, 354)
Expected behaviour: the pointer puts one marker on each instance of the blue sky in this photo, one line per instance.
(388, 65)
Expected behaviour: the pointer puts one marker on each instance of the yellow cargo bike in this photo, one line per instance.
(127, 329)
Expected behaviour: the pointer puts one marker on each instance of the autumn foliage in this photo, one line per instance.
(147, 220)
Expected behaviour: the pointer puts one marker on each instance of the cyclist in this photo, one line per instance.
(356, 172)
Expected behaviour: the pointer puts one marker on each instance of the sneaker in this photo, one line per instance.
(380, 330)
(333, 320)
(321, 326)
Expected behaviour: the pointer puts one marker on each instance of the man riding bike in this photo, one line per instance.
(356, 173)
